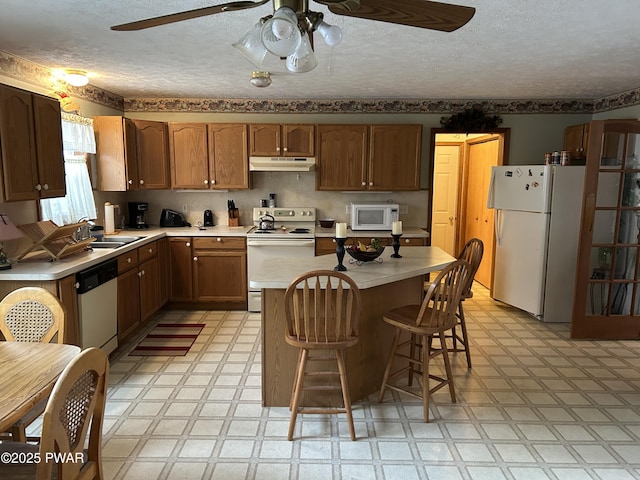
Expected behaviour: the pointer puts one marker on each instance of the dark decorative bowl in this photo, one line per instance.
(361, 257)
(327, 222)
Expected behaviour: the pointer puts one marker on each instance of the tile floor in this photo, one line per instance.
(535, 406)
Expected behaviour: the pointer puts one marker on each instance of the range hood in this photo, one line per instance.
(281, 164)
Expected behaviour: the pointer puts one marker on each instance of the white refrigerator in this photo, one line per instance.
(537, 223)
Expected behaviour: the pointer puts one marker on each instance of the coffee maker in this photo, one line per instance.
(137, 213)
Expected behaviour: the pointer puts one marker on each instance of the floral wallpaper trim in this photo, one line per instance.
(18, 68)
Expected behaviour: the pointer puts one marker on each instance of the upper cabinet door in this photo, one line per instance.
(46, 114)
(607, 297)
(152, 152)
(341, 162)
(298, 140)
(394, 157)
(18, 146)
(188, 155)
(228, 159)
(264, 140)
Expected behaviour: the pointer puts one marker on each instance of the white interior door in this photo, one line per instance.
(445, 197)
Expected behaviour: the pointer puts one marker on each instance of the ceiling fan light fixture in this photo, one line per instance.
(303, 59)
(251, 46)
(260, 79)
(76, 78)
(280, 34)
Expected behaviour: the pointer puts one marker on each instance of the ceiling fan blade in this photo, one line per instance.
(444, 17)
(187, 15)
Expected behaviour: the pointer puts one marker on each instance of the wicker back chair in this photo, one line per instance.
(30, 314)
(75, 409)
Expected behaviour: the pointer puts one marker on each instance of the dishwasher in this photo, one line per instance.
(97, 289)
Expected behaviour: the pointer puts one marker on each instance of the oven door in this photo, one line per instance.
(259, 249)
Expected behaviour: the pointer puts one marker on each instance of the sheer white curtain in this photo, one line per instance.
(77, 138)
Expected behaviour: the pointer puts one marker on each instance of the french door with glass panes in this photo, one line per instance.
(607, 295)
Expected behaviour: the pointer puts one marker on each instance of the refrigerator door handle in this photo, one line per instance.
(491, 196)
(497, 223)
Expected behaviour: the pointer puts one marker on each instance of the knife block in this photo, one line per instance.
(234, 221)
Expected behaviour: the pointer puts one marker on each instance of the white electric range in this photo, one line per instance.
(292, 236)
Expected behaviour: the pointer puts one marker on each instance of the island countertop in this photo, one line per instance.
(415, 261)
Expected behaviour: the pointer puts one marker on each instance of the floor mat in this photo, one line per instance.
(168, 339)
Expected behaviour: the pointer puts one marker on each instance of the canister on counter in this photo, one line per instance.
(555, 158)
(565, 158)
(547, 158)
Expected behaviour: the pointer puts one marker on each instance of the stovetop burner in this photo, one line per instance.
(299, 230)
(263, 231)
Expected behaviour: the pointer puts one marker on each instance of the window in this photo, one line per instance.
(78, 139)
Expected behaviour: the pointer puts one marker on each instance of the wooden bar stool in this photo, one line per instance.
(423, 322)
(472, 252)
(322, 308)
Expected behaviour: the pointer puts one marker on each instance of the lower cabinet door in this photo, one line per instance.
(128, 303)
(149, 288)
(220, 276)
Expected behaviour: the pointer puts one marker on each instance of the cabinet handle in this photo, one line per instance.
(130, 182)
(195, 259)
(213, 182)
(206, 182)
(364, 184)
(371, 184)
(286, 149)
(46, 186)
(150, 250)
(129, 260)
(141, 182)
(277, 149)
(139, 274)
(406, 240)
(38, 187)
(218, 239)
(188, 244)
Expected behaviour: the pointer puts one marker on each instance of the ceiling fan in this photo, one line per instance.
(287, 33)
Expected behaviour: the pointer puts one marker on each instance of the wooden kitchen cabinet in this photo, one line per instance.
(128, 294)
(395, 153)
(148, 272)
(341, 162)
(116, 160)
(164, 258)
(30, 146)
(373, 158)
(576, 139)
(208, 156)
(326, 245)
(220, 269)
(275, 140)
(209, 270)
(181, 269)
(131, 154)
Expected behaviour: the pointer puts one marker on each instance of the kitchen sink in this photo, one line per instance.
(113, 242)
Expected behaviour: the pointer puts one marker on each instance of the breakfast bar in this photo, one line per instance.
(383, 285)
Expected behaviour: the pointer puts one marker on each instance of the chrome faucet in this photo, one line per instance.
(84, 231)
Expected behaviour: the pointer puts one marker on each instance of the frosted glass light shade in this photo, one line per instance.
(303, 59)
(250, 45)
(280, 34)
(76, 78)
(331, 34)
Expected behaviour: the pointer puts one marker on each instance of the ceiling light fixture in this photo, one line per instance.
(260, 79)
(76, 78)
(287, 35)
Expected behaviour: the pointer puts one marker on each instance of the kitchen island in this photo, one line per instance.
(383, 286)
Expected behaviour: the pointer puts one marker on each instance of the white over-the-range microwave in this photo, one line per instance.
(373, 216)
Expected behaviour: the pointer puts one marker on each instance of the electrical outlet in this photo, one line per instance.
(404, 209)
(184, 208)
(347, 209)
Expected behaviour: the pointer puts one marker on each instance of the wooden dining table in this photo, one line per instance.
(28, 372)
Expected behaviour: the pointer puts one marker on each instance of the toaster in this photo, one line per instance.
(171, 218)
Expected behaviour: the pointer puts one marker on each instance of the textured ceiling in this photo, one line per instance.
(526, 49)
